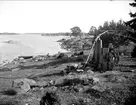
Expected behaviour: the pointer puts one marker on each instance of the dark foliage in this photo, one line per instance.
(116, 34)
(130, 101)
(10, 92)
(94, 93)
(76, 31)
(132, 23)
(134, 52)
(50, 98)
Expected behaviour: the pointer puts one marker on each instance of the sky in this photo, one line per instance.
(60, 16)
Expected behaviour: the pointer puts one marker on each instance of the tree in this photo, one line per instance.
(116, 36)
(106, 26)
(76, 31)
(112, 25)
(93, 30)
(132, 23)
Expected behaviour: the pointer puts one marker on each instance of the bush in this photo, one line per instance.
(10, 92)
(133, 54)
(50, 98)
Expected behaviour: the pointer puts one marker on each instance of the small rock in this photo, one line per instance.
(52, 82)
(75, 65)
(80, 90)
(120, 79)
(114, 104)
(90, 71)
(40, 84)
(29, 81)
(101, 87)
(15, 69)
(95, 80)
(71, 74)
(98, 88)
(41, 88)
(79, 70)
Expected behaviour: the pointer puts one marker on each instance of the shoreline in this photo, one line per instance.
(12, 47)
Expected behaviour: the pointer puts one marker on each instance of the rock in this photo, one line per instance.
(79, 70)
(83, 76)
(22, 85)
(59, 81)
(120, 79)
(60, 55)
(80, 90)
(111, 78)
(39, 84)
(71, 74)
(80, 65)
(29, 81)
(52, 82)
(22, 61)
(85, 88)
(75, 65)
(95, 80)
(90, 72)
(15, 69)
(98, 88)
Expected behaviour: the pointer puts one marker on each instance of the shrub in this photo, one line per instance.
(9, 92)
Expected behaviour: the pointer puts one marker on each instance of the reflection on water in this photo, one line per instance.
(12, 46)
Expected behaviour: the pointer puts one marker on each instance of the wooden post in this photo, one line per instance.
(97, 51)
(100, 55)
(104, 60)
(92, 47)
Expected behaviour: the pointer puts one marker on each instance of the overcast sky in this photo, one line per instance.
(59, 16)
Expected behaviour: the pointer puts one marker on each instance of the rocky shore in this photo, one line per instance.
(62, 79)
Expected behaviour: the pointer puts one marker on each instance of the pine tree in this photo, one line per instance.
(132, 24)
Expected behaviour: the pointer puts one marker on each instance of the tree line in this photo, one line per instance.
(116, 36)
(121, 32)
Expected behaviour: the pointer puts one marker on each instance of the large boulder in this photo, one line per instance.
(22, 85)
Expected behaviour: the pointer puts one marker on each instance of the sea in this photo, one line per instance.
(12, 46)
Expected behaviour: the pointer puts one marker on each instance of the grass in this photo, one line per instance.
(9, 102)
(70, 92)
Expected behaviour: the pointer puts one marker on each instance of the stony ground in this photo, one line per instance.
(117, 87)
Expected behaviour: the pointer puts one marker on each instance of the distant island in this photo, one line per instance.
(6, 33)
(43, 34)
(57, 34)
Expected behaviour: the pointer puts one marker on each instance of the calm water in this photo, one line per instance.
(28, 45)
